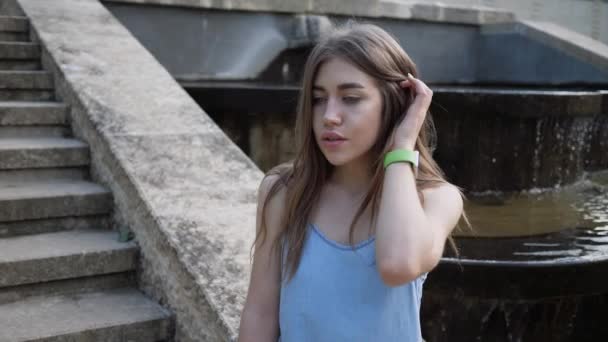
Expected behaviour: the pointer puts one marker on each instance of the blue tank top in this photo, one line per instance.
(337, 295)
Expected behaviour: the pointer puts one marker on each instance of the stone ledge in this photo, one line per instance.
(394, 9)
(475, 15)
(187, 192)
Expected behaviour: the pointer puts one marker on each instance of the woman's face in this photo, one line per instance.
(347, 107)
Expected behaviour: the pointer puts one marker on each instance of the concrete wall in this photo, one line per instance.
(588, 17)
(195, 44)
(510, 57)
(223, 45)
(202, 44)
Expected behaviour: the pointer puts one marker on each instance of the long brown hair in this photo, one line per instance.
(377, 54)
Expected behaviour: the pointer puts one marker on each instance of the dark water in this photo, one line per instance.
(534, 269)
(548, 225)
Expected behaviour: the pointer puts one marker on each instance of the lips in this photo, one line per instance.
(332, 140)
(332, 136)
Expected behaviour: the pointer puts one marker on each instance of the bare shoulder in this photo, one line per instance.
(277, 195)
(267, 183)
(443, 204)
(275, 205)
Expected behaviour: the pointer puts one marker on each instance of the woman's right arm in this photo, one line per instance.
(260, 317)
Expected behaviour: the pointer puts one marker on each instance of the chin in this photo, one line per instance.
(336, 159)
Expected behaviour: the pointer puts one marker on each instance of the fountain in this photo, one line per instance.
(535, 166)
(534, 268)
(526, 136)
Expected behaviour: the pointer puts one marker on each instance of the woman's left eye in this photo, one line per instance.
(351, 99)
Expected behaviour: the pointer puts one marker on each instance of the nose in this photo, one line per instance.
(332, 115)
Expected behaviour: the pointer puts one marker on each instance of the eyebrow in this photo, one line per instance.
(342, 86)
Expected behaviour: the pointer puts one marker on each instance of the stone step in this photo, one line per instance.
(26, 95)
(24, 64)
(14, 37)
(19, 50)
(14, 24)
(50, 225)
(12, 294)
(33, 119)
(18, 113)
(42, 152)
(112, 315)
(9, 177)
(34, 131)
(39, 258)
(26, 80)
(58, 198)
(11, 8)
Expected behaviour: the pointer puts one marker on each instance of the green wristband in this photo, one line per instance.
(397, 156)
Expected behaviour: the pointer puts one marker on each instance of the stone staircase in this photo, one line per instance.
(64, 274)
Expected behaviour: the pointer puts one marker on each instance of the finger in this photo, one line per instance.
(415, 82)
(405, 84)
(419, 86)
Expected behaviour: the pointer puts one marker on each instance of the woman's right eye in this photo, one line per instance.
(351, 99)
(317, 99)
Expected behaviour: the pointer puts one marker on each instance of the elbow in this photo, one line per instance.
(397, 273)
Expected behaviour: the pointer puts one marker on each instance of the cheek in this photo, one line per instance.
(370, 124)
(316, 124)
(317, 128)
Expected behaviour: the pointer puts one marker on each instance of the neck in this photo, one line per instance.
(354, 177)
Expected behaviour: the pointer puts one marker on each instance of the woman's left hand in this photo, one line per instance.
(407, 131)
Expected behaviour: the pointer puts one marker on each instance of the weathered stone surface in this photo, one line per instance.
(464, 15)
(10, 8)
(43, 174)
(394, 9)
(111, 315)
(26, 95)
(49, 225)
(13, 24)
(14, 36)
(19, 50)
(72, 286)
(70, 254)
(24, 64)
(56, 273)
(33, 200)
(33, 131)
(25, 80)
(418, 10)
(179, 183)
(355, 7)
(245, 5)
(32, 113)
(42, 152)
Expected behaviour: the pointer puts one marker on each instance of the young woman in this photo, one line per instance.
(348, 231)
